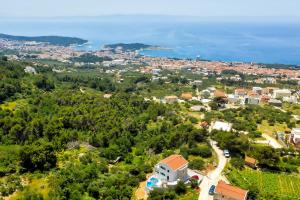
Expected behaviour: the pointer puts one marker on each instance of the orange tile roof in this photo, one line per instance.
(252, 94)
(250, 160)
(219, 93)
(240, 90)
(230, 191)
(175, 162)
(187, 95)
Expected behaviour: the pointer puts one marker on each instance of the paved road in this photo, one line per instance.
(270, 141)
(214, 176)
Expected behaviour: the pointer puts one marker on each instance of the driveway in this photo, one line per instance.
(270, 141)
(214, 176)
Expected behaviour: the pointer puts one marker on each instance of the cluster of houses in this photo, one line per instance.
(241, 96)
(169, 171)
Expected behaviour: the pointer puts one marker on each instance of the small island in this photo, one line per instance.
(53, 40)
(129, 47)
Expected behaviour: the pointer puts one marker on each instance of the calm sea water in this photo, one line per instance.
(251, 42)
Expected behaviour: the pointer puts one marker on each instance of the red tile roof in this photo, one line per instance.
(175, 162)
(187, 96)
(230, 191)
(250, 160)
(219, 93)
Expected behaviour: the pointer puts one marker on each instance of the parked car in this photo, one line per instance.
(226, 153)
(212, 190)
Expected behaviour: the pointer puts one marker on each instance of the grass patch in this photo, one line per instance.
(264, 127)
(293, 108)
(35, 185)
(190, 195)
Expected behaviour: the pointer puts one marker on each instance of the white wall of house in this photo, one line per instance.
(164, 173)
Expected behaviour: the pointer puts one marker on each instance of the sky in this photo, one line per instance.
(201, 8)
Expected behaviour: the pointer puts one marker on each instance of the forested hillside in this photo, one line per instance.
(55, 40)
(60, 143)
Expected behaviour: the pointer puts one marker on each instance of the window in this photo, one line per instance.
(162, 174)
(163, 167)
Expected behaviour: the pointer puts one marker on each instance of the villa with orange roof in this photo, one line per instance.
(225, 191)
(168, 172)
(172, 168)
(187, 96)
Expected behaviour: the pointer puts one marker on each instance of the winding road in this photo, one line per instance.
(214, 176)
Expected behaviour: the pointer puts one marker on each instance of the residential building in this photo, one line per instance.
(253, 100)
(225, 191)
(187, 96)
(197, 108)
(295, 135)
(257, 90)
(264, 98)
(107, 96)
(197, 82)
(233, 99)
(275, 102)
(172, 168)
(29, 70)
(219, 94)
(282, 93)
(269, 90)
(171, 99)
(291, 99)
(156, 71)
(240, 92)
(221, 126)
(250, 162)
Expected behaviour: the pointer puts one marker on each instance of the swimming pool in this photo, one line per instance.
(152, 182)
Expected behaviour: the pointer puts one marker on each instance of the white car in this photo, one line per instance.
(226, 153)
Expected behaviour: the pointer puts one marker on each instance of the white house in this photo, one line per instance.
(257, 90)
(233, 99)
(30, 70)
(252, 100)
(197, 82)
(172, 168)
(295, 135)
(221, 126)
(282, 93)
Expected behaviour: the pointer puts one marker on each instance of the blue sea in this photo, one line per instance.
(268, 42)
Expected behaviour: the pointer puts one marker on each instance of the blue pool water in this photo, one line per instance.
(152, 182)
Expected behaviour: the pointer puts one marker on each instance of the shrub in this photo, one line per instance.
(237, 162)
(180, 188)
(196, 164)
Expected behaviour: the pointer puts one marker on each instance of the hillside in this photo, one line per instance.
(55, 40)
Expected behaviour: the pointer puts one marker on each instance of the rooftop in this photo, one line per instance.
(219, 93)
(250, 160)
(187, 95)
(175, 162)
(230, 191)
(224, 126)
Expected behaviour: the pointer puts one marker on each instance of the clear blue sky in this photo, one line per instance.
(216, 8)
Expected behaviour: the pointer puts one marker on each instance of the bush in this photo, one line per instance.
(196, 164)
(194, 184)
(203, 151)
(237, 162)
(158, 194)
(180, 188)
